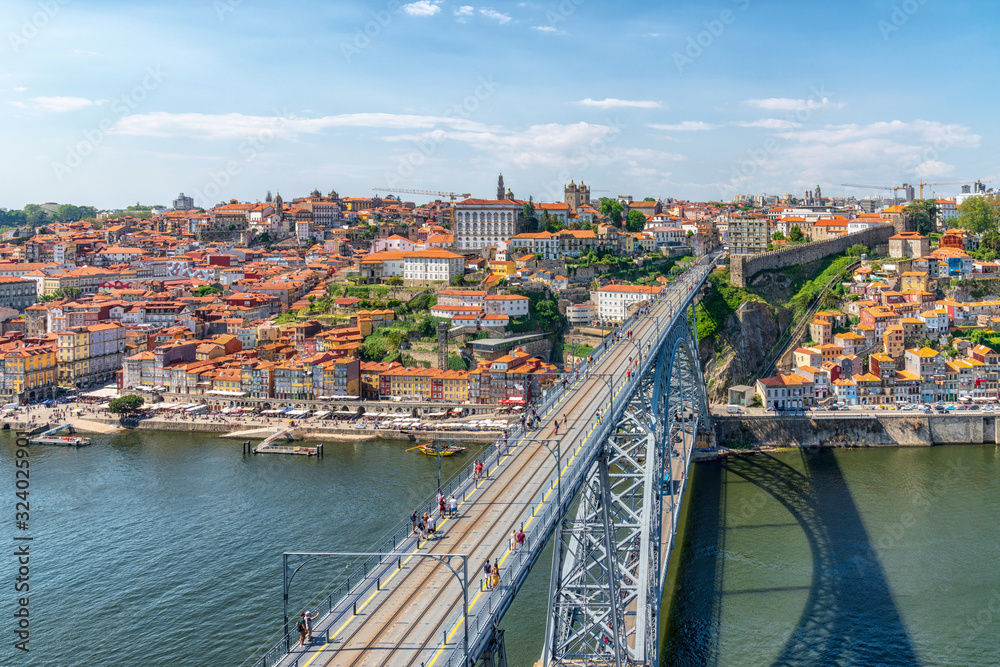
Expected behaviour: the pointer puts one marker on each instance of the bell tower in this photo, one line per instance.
(500, 190)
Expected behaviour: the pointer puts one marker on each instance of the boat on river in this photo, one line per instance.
(431, 449)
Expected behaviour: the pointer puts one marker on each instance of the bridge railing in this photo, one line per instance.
(401, 539)
(546, 512)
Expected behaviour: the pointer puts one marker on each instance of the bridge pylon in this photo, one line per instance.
(610, 558)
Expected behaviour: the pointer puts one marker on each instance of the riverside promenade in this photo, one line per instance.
(93, 420)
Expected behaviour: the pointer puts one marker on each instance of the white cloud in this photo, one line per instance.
(422, 8)
(883, 151)
(929, 132)
(769, 123)
(19, 105)
(546, 28)
(20, 89)
(463, 13)
(550, 145)
(934, 169)
(651, 34)
(612, 103)
(789, 104)
(686, 126)
(239, 126)
(496, 16)
(61, 103)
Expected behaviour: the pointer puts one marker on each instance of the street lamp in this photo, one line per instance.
(558, 454)
(307, 557)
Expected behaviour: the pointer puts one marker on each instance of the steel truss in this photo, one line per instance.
(608, 564)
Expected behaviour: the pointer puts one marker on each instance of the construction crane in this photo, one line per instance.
(433, 193)
(922, 184)
(904, 186)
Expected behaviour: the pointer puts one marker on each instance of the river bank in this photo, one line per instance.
(104, 425)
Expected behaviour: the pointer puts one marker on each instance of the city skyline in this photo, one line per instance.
(227, 99)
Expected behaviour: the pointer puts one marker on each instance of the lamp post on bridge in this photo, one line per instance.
(558, 454)
(307, 557)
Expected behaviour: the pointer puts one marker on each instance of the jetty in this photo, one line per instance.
(276, 443)
(51, 437)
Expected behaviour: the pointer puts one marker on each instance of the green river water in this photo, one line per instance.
(164, 549)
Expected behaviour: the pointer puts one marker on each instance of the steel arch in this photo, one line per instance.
(609, 564)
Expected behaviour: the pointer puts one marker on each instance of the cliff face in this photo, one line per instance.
(739, 348)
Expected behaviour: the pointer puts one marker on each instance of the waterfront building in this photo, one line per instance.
(89, 355)
(29, 373)
(785, 391)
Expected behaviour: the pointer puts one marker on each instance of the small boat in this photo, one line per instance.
(431, 449)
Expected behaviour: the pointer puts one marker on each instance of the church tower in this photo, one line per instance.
(500, 190)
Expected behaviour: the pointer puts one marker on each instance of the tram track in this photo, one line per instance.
(534, 461)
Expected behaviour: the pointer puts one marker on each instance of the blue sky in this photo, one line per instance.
(107, 103)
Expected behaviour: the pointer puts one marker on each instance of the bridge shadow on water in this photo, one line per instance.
(849, 617)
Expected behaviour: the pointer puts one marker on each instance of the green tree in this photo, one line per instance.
(635, 221)
(70, 213)
(458, 281)
(777, 236)
(207, 290)
(72, 292)
(989, 247)
(264, 239)
(35, 215)
(394, 281)
(125, 405)
(648, 199)
(528, 210)
(612, 209)
(857, 250)
(923, 215)
(977, 214)
(457, 363)
(795, 234)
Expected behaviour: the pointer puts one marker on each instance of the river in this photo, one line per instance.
(165, 549)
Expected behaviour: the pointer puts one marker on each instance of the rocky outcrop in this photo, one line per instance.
(736, 352)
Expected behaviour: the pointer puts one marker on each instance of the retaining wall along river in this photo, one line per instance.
(906, 430)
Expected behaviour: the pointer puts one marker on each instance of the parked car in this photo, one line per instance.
(928, 411)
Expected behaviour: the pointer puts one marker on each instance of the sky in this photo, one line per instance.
(109, 103)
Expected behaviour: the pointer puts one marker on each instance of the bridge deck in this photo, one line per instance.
(408, 620)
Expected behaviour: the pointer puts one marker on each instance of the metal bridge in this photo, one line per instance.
(606, 485)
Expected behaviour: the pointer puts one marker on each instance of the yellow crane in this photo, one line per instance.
(922, 184)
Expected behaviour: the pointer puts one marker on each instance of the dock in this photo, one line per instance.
(270, 445)
(50, 437)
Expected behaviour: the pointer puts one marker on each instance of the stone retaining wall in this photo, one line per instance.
(744, 267)
(850, 431)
